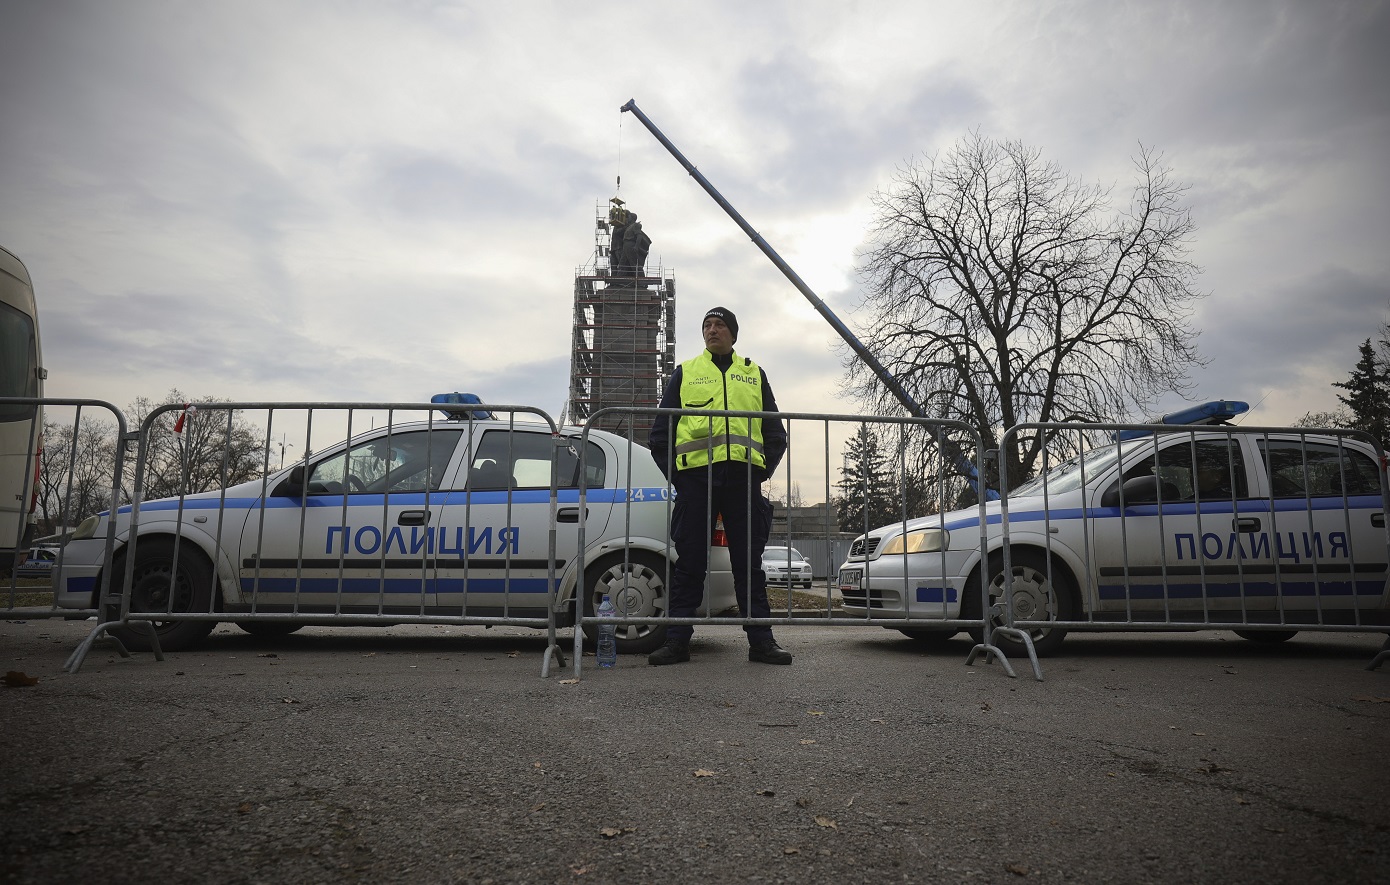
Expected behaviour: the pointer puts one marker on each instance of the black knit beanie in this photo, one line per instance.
(724, 314)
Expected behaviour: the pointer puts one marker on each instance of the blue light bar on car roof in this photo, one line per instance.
(456, 399)
(1215, 412)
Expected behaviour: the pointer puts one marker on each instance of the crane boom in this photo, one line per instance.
(962, 463)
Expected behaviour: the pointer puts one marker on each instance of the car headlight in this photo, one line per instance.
(918, 541)
(86, 528)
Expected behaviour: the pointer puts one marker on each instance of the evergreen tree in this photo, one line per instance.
(868, 496)
(1368, 394)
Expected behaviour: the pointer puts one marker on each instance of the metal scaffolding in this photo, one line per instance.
(624, 331)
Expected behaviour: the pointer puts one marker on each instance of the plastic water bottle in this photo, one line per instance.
(607, 644)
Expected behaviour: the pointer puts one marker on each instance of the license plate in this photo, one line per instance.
(849, 579)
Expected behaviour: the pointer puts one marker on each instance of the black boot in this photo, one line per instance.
(675, 651)
(769, 652)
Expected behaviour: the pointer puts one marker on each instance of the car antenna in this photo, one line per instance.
(1254, 407)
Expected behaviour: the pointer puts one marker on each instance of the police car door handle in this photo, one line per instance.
(570, 514)
(1378, 520)
(413, 517)
(1246, 524)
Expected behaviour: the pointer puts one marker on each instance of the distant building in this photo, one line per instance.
(811, 520)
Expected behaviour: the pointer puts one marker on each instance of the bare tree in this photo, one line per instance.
(214, 449)
(1338, 418)
(75, 472)
(1000, 291)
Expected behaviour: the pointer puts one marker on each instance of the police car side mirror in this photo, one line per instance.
(1139, 490)
(291, 486)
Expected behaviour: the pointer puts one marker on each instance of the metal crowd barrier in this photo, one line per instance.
(809, 455)
(284, 548)
(75, 476)
(1260, 530)
(273, 544)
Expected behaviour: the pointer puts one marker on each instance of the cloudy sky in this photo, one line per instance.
(373, 201)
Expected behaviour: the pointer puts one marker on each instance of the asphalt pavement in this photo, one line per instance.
(439, 754)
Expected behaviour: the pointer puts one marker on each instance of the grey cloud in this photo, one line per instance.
(1293, 339)
(836, 152)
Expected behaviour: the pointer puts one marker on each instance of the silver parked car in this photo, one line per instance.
(785, 566)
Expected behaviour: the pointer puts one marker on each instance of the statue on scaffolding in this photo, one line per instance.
(629, 245)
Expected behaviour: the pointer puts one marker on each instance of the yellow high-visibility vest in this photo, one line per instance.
(740, 389)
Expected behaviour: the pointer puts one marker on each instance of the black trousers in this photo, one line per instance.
(747, 524)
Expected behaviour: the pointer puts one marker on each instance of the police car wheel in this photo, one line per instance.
(1035, 598)
(156, 588)
(1266, 637)
(636, 584)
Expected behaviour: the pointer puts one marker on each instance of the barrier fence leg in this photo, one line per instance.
(100, 632)
(1383, 656)
(553, 652)
(989, 650)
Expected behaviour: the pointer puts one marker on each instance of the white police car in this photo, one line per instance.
(446, 518)
(1215, 526)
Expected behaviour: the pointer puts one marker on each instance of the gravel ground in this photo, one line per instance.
(438, 754)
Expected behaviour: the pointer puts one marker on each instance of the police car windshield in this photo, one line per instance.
(1067, 476)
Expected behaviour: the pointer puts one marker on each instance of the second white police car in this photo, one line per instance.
(1211, 526)
(430, 518)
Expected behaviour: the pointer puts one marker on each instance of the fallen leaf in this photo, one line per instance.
(1017, 869)
(879, 721)
(513, 654)
(803, 802)
(16, 679)
(815, 712)
(766, 793)
(985, 706)
(610, 832)
(1200, 734)
(727, 704)
(827, 822)
(269, 654)
(1241, 800)
(791, 849)
(370, 654)
(289, 700)
(244, 808)
(569, 681)
(703, 772)
(1371, 699)
(807, 742)
(578, 870)
(538, 807)
(850, 802)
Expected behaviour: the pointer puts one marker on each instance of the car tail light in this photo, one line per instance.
(718, 538)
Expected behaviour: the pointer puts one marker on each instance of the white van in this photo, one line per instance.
(21, 426)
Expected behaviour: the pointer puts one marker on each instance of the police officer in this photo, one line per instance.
(718, 466)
